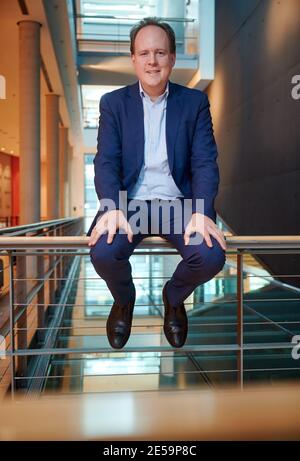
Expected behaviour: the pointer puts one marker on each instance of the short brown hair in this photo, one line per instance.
(153, 21)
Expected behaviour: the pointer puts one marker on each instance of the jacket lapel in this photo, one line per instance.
(136, 123)
(174, 112)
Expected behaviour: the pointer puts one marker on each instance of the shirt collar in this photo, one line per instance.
(160, 98)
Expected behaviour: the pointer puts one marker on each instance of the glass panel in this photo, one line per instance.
(91, 203)
(91, 95)
(105, 26)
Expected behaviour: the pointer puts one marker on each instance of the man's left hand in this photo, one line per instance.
(206, 227)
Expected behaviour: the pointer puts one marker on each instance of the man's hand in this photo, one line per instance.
(109, 223)
(206, 227)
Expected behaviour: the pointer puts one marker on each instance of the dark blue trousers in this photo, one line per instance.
(199, 264)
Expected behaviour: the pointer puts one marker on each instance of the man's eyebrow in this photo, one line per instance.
(156, 49)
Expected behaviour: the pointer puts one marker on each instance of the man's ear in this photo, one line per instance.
(132, 57)
(173, 59)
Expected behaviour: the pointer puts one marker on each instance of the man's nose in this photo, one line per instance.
(152, 59)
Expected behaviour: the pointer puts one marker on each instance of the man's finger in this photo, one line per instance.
(218, 235)
(129, 233)
(111, 232)
(95, 235)
(221, 241)
(127, 229)
(110, 237)
(207, 239)
(187, 235)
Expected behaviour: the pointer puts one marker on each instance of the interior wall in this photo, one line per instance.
(256, 119)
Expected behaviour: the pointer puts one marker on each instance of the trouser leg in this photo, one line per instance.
(199, 264)
(111, 262)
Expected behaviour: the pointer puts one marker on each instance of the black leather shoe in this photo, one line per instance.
(175, 322)
(118, 325)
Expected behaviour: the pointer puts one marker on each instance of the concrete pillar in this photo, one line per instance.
(52, 152)
(70, 186)
(63, 171)
(29, 121)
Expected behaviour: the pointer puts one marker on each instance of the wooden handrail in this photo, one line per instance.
(233, 242)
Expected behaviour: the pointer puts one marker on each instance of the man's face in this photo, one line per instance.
(152, 59)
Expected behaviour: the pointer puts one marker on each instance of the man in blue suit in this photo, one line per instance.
(155, 142)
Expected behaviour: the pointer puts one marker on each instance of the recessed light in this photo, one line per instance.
(2, 148)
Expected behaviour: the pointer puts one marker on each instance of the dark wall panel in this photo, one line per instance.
(256, 120)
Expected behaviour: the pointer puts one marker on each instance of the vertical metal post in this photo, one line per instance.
(63, 260)
(240, 320)
(41, 298)
(12, 324)
(150, 286)
(59, 264)
(20, 298)
(52, 281)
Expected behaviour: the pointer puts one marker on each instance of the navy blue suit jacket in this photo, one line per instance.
(191, 147)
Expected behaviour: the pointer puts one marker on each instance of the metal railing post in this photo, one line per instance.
(12, 324)
(240, 319)
(58, 268)
(52, 281)
(41, 298)
(21, 299)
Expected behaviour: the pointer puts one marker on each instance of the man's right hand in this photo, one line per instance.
(109, 223)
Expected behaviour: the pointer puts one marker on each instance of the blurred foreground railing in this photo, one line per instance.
(258, 413)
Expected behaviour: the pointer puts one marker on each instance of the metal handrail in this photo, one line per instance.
(17, 230)
(117, 18)
(276, 242)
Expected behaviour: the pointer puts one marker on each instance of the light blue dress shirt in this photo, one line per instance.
(155, 180)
